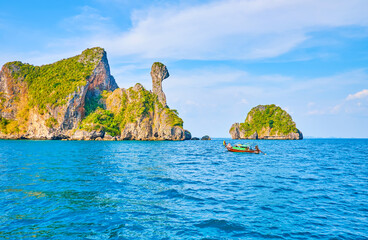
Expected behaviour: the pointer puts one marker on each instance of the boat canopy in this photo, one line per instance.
(246, 145)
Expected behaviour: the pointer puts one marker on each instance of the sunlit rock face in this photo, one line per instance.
(159, 72)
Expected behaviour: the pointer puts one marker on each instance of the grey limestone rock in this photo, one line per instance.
(85, 135)
(159, 72)
(108, 137)
(206, 137)
(187, 135)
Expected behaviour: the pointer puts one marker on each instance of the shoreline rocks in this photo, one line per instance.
(206, 137)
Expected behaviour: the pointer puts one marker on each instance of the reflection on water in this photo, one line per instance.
(183, 190)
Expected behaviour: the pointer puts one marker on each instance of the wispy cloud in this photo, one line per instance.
(231, 29)
(89, 19)
(239, 80)
(358, 95)
(352, 104)
(214, 30)
(330, 83)
(336, 109)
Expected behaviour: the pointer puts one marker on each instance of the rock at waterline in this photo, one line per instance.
(206, 137)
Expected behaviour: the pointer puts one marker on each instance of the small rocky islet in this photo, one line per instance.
(266, 122)
(78, 99)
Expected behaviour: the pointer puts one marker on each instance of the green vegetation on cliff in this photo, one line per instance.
(158, 64)
(101, 120)
(51, 122)
(141, 104)
(135, 103)
(8, 126)
(52, 83)
(2, 100)
(19, 124)
(92, 103)
(269, 117)
(173, 118)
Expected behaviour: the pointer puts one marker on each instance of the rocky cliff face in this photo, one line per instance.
(52, 101)
(138, 114)
(47, 102)
(266, 122)
(143, 117)
(159, 72)
(100, 79)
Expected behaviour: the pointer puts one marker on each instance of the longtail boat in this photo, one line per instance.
(242, 148)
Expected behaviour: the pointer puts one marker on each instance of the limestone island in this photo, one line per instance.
(77, 99)
(266, 122)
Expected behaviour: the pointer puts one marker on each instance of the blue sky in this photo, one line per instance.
(224, 57)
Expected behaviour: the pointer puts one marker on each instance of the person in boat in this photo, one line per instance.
(256, 148)
(228, 145)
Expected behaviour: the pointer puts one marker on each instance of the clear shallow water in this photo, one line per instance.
(309, 189)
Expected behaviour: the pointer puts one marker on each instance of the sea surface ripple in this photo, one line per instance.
(309, 189)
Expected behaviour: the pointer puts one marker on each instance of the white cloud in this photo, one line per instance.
(225, 29)
(234, 29)
(358, 95)
(336, 108)
(345, 106)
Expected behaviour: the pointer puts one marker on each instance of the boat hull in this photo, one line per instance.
(243, 151)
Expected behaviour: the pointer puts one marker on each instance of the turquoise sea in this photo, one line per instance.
(309, 189)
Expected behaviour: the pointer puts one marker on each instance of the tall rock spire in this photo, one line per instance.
(100, 79)
(159, 72)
